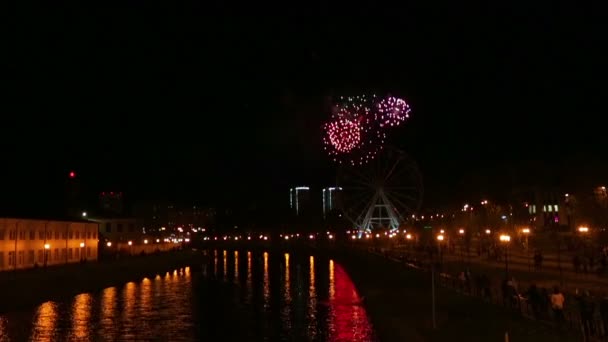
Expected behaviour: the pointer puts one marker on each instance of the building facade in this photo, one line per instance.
(331, 197)
(116, 230)
(299, 199)
(27, 243)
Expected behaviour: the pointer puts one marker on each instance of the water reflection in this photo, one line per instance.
(108, 312)
(286, 296)
(129, 299)
(236, 266)
(159, 308)
(225, 265)
(312, 300)
(266, 283)
(81, 314)
(45, 322)
(286, 311)
(249, 275)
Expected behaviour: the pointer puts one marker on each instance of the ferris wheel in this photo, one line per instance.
(382, 193)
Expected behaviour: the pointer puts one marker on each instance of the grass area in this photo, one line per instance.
(399, 302)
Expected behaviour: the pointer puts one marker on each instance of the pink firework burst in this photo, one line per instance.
(392, 111)
(358, 127)
(344, 134)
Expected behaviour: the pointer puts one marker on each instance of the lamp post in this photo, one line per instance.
(584, 230)
(526, 232)
(505, 238)
(47, 247)
(81, 251)
(439, 239)
(461, 233)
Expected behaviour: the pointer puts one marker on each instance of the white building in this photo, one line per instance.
(26, 243)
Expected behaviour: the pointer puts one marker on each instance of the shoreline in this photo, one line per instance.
(398, 301)
(25, 289)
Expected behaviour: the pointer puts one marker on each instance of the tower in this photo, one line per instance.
(299, 199)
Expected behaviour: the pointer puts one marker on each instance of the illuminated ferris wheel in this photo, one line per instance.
(382, 193)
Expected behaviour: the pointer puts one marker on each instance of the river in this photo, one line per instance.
(237, 295)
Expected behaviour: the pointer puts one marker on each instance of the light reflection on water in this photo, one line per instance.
(302, 298)
(135, 311)
(276, 297)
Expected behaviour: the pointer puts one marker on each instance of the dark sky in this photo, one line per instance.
(195, 101)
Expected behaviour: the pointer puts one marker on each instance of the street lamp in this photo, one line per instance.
(130, 243)
(47, 247)
(461, 233)
(505, 238)
(583, 229)
(109, 244)
(526, 232)
(439, 239)
(146, 241)
(81, 251)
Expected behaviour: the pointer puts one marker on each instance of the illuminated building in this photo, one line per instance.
(330, 198)
(27, 243)
(299, 199)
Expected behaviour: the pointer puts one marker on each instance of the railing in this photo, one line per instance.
(593, 329)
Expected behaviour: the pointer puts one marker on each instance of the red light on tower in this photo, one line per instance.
(72, 174)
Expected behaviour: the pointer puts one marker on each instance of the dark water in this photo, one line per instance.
(238, 295)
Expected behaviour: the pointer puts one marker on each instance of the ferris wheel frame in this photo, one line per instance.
(381, 193)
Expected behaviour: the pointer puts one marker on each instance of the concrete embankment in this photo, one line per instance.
(23, 289)
(398, 300)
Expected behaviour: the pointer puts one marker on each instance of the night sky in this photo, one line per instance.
(200, 102)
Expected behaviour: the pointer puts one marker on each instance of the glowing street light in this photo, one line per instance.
(353, 237)
(109, 244)
(461, 231)
(286, 237)
(583, 229)
(488, 231)
(505, 238)
(81, 245)
(331, 237)
(130, 243)
(84, 214)
(46, 253)
(408, 236)
(440, 237)
(146, 241)
(312, 237)
(526, 230)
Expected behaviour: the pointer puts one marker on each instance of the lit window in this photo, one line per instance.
(544, 208)
(533, 208)
(555, 208)
(550, 208)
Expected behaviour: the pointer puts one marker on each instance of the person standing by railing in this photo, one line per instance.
(557, 305)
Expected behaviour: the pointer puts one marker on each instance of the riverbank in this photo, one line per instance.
(398, 300)
(22, 289)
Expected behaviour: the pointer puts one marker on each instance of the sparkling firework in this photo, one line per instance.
(357, 130)
(344, 134)
(392, 111)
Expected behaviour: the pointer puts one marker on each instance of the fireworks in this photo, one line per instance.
(357, 130)
(392, 111)
(344, 134)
